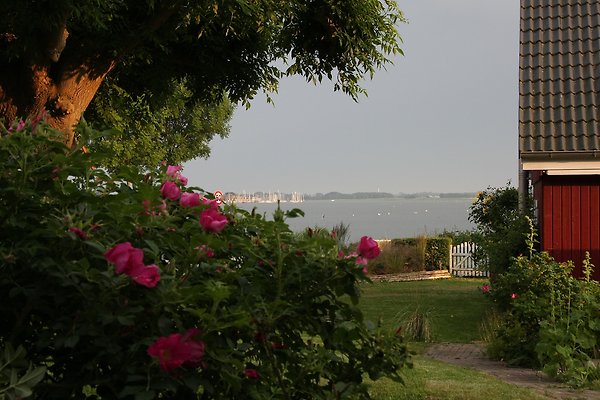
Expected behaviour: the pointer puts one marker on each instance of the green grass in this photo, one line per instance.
(455, 307)
(431, 379)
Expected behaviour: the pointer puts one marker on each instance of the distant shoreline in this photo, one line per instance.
(383, 195)
(295, 197)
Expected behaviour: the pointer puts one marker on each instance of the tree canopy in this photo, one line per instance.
(180, 57)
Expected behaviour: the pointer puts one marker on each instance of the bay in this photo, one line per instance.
(379, 218)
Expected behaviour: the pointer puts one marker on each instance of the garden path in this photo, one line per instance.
(472, 355)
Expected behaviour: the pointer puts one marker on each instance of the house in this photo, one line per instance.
(559, 124)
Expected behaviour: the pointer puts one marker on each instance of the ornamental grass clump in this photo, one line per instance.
(130, 284)
(416, 326)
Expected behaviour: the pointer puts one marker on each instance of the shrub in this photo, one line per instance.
(501, 226)
(550, 319)
(121, 287)
(437, 251)
(462, 236)
(570, 337)
(528, 292)
(394, 259)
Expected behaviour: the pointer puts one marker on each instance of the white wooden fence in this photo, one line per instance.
(462, 262)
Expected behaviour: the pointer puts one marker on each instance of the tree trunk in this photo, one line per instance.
(28, 90)
(45, 78)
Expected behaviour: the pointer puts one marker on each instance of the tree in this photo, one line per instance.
(55, 55)
(140, 131)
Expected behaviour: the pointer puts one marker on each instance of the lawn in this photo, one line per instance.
(455, 308)
(431, 379)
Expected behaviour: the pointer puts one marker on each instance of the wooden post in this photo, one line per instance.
(450, 258)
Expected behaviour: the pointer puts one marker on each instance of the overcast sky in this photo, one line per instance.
(443, 118)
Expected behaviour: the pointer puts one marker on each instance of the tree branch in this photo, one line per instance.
(57, 43)
(151, 25)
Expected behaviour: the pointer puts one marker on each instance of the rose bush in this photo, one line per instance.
(549, 319)
(118, 292)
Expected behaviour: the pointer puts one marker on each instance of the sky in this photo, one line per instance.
(442, 118)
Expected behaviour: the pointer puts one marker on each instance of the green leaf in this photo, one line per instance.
(152, 245)
(127, 320)
(96, 246)
(71, 341)
(23, 391)
(294, 213)
(145, 395)
(14, 377)
(34, 377)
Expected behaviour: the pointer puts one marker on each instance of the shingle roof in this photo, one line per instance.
(559, 76)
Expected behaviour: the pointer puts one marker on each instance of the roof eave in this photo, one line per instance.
(560, 155)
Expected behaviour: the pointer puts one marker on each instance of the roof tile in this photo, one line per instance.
(559, 76)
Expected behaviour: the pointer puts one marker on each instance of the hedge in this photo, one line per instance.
(437, 250)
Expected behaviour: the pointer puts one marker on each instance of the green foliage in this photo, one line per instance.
(394, 259)
(570, 338)
(17, 375)
(231, 46)
(436, 249)
(550, 318)
(277, 312)
(341, 234)
(421, 247)
(145, 130)
(501, 226)
(459, 237)
(529, 292)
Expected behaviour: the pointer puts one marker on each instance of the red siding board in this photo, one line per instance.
(576, 250)
(594, 206)
(546, 216)
(555, 218)
(569, 213)
(565, 221)
(585, 212)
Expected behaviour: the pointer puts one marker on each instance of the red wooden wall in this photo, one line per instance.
(569, 217)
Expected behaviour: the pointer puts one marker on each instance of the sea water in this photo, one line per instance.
(378, 218)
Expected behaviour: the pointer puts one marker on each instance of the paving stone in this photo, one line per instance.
(472, 355)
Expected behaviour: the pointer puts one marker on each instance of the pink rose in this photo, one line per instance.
(485, 288)
(79, 232)
(145, 275)
(251, 373)
(182, 179)
(189, 200)
(176, 350)
(361, 260)
(170, 190)
(21, 125)
(172, 170)
(368, 248)
(125, 257)
(212, 220)
(513, 296)
(208, 202)
(205, 250)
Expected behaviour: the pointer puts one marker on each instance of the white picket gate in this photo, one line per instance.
(462, 262)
